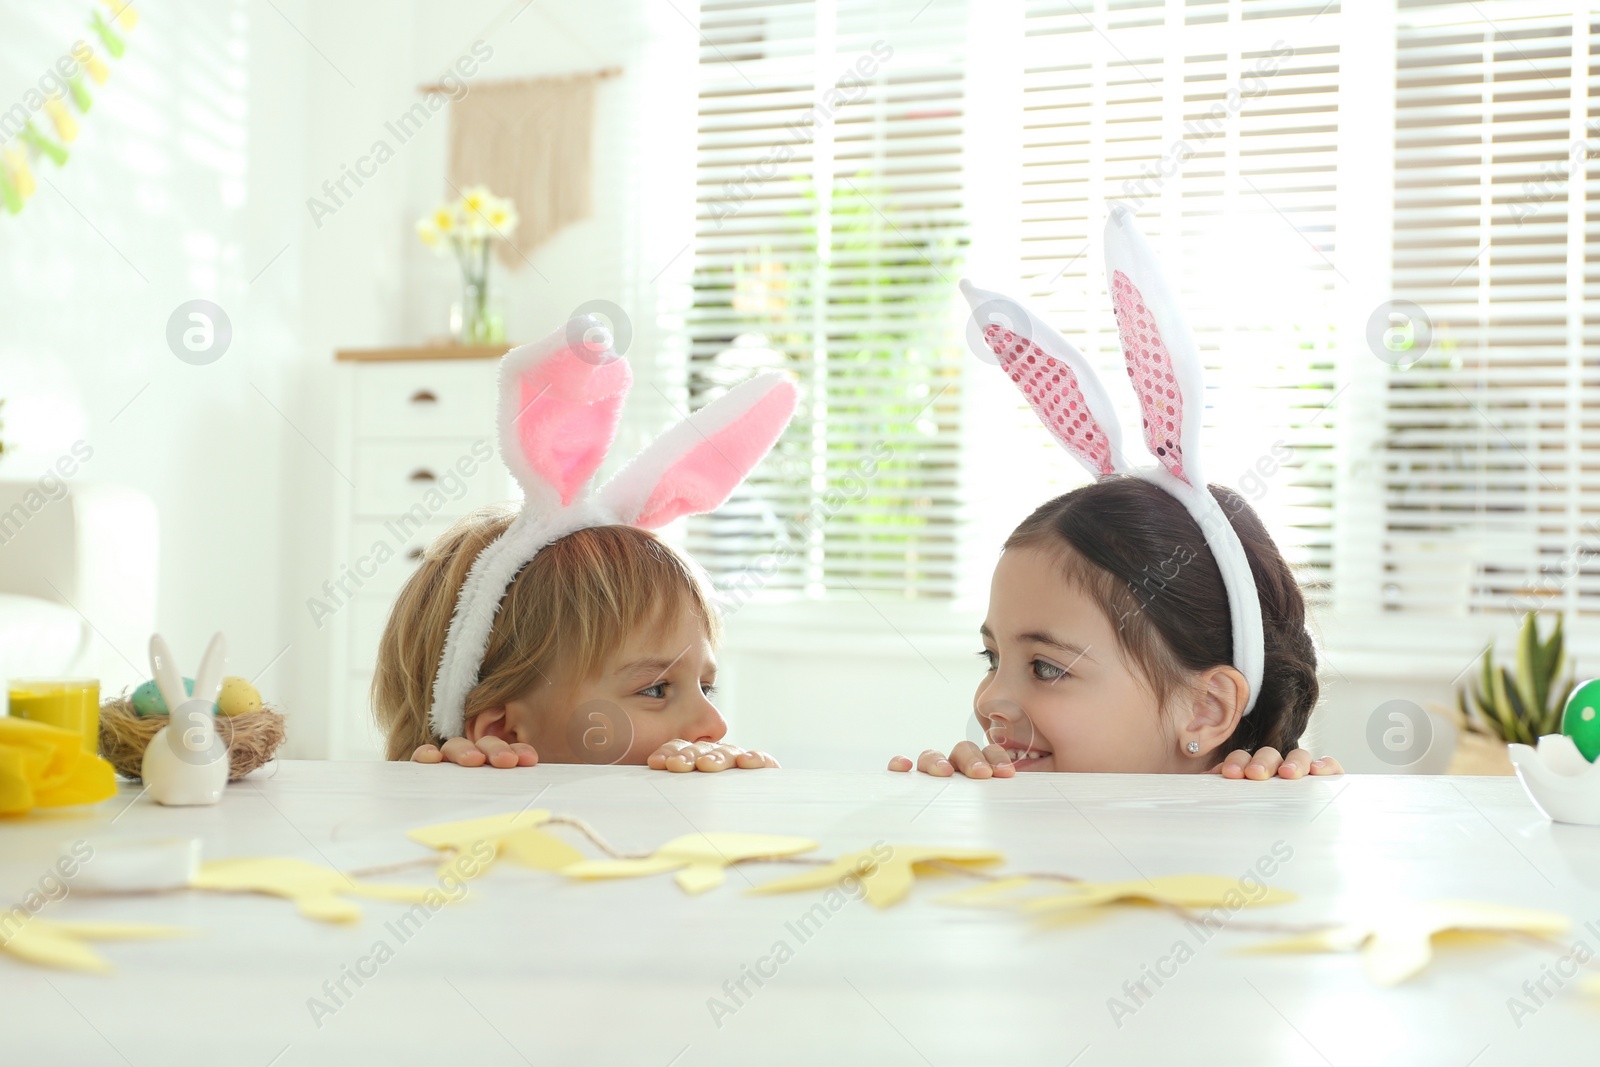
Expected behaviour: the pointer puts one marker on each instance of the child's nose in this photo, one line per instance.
(708, 723)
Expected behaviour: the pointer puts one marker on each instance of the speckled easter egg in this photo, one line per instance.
(1581, 719)
(147, 699)
(238, 697)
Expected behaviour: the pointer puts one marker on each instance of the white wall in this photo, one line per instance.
(163, 200)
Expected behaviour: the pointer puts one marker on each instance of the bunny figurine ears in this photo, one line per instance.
(560, 400)
(1164, 365)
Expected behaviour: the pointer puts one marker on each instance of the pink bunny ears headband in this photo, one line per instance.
(560, 400)
(1164, 365)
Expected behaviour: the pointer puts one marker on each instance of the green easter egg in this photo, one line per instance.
(1581, 719)
(147, 699)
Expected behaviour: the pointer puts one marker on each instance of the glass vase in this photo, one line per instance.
(476, 319)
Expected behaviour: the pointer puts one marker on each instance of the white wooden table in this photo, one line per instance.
(533, 968)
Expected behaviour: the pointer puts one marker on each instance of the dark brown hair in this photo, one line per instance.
(1139, 555)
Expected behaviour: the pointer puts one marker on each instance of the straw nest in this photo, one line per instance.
(251, 738)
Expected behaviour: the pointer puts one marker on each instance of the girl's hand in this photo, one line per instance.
(1266, 763)
(966, 757)
(683, 756)
(490, 750)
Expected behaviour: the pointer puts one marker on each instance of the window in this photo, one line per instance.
(1219, 125)
(1434, 459)
(829, 240)
(1491, 454)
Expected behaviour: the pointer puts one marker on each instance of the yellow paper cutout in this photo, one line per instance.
(1177, 890)
(61, 944)
(886, 871)
(513, 837)
(45, 766)
(1399, 944)
(66, 126)
(16, 165)
(699, 859)
(317, 891)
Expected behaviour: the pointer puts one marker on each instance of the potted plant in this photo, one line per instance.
(1512, 706)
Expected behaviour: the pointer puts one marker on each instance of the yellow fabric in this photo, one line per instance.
(700, 859)
(317, 891)
(60, 944)
(1398, 943)
(887, 879)
(44, 766)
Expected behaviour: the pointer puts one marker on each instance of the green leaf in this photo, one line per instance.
(1529, 688)
(1515, 711)
(1552, 654)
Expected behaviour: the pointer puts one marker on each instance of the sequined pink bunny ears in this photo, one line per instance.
(560, 400)
(1164, 366)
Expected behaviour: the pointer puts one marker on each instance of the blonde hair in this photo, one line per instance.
(570, 609)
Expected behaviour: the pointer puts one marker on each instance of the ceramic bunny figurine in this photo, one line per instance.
(186, 763)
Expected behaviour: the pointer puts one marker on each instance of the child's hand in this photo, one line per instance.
(681, 756)
(966, 757)
(1266, 763)
(490, 750)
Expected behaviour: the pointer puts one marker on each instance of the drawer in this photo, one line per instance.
(426, 398)
(393, 477)
(371, 538)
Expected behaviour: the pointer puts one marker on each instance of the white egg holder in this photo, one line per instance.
(1559, 780)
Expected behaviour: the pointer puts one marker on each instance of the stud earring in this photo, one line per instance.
(1193, 747)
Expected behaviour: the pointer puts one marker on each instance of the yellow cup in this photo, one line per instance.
(72, 705)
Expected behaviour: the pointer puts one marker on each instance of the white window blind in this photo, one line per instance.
(828, 242)
(1492, 438)
(1219, 123)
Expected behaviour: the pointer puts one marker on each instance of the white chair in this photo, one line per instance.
(77, 581)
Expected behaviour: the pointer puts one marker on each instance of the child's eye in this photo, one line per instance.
(708, 688)
(989, 658)
(1047, 672)
(656, 692)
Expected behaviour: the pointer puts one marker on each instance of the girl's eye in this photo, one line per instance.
(1047, 672)
(989, 658)
(657, 691)
(708, 688)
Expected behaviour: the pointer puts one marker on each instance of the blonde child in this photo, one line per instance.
(1145, 622)
(566, 631)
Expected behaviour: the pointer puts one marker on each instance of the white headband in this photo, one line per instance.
(560, 400)
(1164, 366)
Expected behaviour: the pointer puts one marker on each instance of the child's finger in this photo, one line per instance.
(1295, 764)
(460, 750)
(896, 763)
(426, 754)
(998, 759)
(1233, 766)
(683, 760)
(1263, 765)
(497, 752)
(754, 760)
(719, 758)
(933, 762)
(527, 755)
(969, 760)
(1326, 765)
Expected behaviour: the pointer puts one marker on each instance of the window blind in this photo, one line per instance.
(828, 241)
(1491, 450)
(1218, 123)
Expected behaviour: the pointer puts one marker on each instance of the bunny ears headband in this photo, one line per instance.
(1164, 365)
(560, 400)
